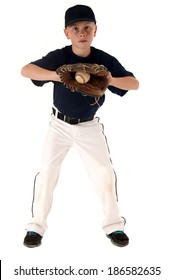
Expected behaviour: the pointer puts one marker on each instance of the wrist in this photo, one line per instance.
(56, 77)
(111, 81)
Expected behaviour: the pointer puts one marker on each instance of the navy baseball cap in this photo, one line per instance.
(79, 13)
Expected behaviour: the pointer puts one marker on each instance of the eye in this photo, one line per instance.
(75, 29)
(87, 28)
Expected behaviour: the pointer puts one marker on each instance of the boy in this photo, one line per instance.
(73, 124)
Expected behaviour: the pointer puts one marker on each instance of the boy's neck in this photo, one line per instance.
(81, 52)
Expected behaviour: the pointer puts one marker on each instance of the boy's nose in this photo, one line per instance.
(82, 34)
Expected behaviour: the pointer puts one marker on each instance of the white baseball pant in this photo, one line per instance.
(89, 139)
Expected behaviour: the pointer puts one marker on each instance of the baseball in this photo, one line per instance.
(82, 77)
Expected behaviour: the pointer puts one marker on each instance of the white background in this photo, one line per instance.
(139, 129)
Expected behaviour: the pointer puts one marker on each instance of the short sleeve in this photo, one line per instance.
(51, 61)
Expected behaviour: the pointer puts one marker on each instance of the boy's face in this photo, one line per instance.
(81, 34)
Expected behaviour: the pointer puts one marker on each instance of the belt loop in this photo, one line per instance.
(55, 111)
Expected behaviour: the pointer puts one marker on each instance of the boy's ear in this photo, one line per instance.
(95, 31)
(66, 33)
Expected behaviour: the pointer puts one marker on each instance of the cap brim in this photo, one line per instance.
(79, 19)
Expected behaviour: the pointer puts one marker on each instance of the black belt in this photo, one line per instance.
(70, 120)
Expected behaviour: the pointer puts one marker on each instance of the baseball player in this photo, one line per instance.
(74, 124)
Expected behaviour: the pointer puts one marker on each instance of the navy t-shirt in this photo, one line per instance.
(75, 104)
